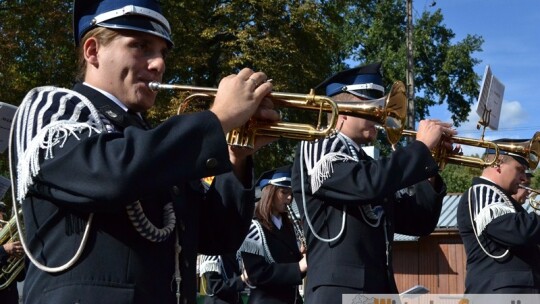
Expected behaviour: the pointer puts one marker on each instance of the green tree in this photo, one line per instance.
(37, 47)
(443, 70)
(458, 178)
(285, 39)
(298, 43)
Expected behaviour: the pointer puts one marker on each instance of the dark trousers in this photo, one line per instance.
(328, 294)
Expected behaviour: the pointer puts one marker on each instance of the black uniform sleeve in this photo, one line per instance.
(261, 272)
(372, 180)
(418, 214)
(3, 256)
(515, 229)
(226, 215)
(217, 286)
(109, 170)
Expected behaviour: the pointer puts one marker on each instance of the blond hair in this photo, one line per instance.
(104, 36)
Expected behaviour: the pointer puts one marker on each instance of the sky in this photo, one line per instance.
(511, 33)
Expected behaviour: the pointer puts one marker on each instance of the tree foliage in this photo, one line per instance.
(297, 43)
(458, 178)
(443, 69)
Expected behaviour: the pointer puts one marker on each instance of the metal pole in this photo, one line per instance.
(410, 68)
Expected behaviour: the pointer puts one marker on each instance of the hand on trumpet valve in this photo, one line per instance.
(432, 131)
(240, 97)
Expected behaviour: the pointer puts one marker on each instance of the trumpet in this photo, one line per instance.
(245, 135)
(533, 193)
(389, 111)
(530, 150)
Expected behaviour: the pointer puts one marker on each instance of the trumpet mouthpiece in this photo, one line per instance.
(154, 85)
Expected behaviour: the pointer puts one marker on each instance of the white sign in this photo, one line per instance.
(490, 100)
(7, 111)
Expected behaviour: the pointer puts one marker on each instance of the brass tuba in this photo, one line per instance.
(389, 111)
(10, 271)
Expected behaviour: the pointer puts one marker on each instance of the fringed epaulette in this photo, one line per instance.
(46, 118)
(210, 263)
(319, 157)
(255, 242)
(489, 203)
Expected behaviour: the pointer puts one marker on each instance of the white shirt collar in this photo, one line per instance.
(109, 95)
(352, 142)
(278, 221)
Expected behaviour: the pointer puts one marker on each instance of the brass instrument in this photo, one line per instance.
(10, 271)
(530, 150)
(298, 231)
(389, 111)
(533, 193)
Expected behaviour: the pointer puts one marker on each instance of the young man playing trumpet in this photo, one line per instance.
(115, 211)
(349, 201)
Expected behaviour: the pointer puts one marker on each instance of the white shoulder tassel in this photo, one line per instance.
(47, 138)
(255, 243)
(210, 264)
(324, 168)
(487, 214)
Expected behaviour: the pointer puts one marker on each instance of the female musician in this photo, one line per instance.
(270, 253)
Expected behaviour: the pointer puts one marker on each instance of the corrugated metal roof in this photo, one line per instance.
(405, 238)
(448, 217)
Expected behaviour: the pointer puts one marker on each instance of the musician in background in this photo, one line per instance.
(115, 208)
(271, 253)
(10, 294)
(500, 237)
(222, 280)
(349, 201)
(522, 194)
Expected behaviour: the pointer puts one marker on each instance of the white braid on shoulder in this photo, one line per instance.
(489, 203)
(37, 132)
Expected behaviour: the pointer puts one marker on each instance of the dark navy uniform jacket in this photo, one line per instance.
(518, 232)
(102, 173)
(360, 258)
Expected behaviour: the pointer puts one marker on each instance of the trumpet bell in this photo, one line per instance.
(533, 151)
(396, 112)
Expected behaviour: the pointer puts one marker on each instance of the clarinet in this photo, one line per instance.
(298, 231)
